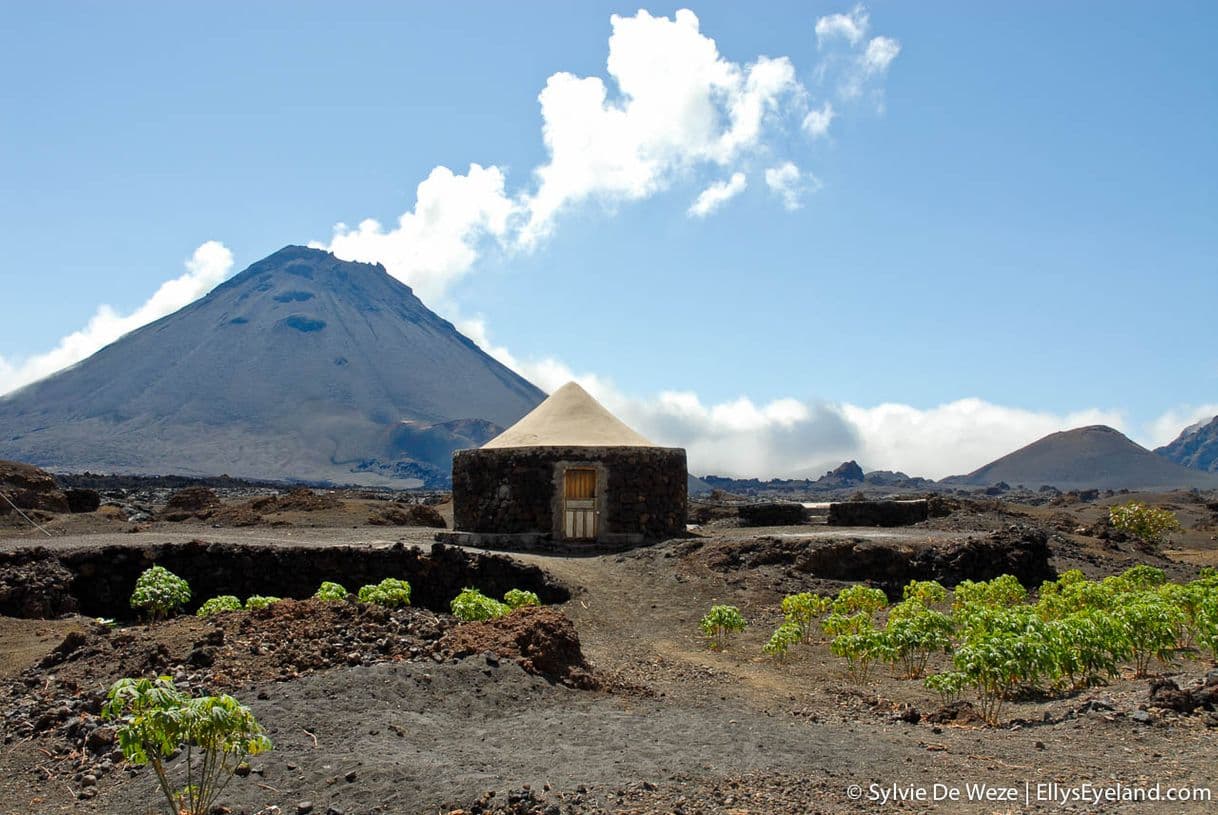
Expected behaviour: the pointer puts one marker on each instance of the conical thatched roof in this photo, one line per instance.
(569, 418)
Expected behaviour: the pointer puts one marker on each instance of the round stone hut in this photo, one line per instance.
(568, 472)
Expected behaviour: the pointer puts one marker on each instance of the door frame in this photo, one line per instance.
(558, 501)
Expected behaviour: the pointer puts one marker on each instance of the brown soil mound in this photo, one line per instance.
(543, 640)
(412, 515)
(30, 487)
(302, 500)
(193, 499)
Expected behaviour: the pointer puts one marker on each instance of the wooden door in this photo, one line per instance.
(579, 504)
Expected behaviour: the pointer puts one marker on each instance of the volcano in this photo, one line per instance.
(303, 367)
(1087, 457)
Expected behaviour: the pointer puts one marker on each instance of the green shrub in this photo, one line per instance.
(1003, 591)
(803, 609)
(1148, 523)
(225, 602)
(390, 593)
(331, 592)
(915, 632)
(257, 601)
(214, 733)
(472, 604)
(160, 592)
(1152, 625)
(519, 598)
(949, 685)
(860, 647)
(925, 592)
(786, 635)
(720, 623)
(859, 599)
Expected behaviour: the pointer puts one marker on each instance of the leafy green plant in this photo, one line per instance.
(1086, 646)
(331, 592)
(215, 733)
(1149, 523)
(257, 601)
(225, 602)
(785, 636)
(159, 592)
(857, 599)
(860, 648)
(390, 593)
(1003, 591)
(720, 623)
(1152, 625)
(519, 598)
(925, 592)
(915, 632)
(1206, 631)
(949, 685)
(472, 604)
(803, 609)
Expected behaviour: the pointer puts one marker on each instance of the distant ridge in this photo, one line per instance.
(1087, 457)
(302, 367)
(1196, 447)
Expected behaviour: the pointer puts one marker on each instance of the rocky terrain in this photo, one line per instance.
(607, 700)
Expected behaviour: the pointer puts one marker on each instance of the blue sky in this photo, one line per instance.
(1018, 209)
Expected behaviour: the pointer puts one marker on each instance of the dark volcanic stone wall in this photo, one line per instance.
(515, 490)
(98, 580)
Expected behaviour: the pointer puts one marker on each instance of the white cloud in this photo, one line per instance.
(210, 264)
(958, 437)
(816, 123)
(678, 105)
(1164, 429)
(851, 27)
(787, 181)
(437, 242)
(717, 194)
(790, 438)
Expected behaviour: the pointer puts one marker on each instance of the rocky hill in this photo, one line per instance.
(301, 367)
(1086, 457)
(1196, 447)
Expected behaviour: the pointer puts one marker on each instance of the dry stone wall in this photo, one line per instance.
(517, 490)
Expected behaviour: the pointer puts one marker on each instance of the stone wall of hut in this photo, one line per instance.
(641, 490)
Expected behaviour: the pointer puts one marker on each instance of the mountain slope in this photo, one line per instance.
(301, 367)
(1086, 457)
(1196, 447)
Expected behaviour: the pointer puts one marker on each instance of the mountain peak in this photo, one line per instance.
(302, 366)
(1095, 456)
(1196, 447)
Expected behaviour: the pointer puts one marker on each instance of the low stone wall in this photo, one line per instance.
(98, 581)
(774, 513)
(641, 491)
(878, 513)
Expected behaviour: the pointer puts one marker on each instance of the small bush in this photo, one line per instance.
(1148, 523)
(156, 720)
(802, 610)
(857, 599)
(720, 623)
(949, 685)
(519, 598)
(160, 592)
(786, 635)
(390, 593)
(472, 604)
(257, 601)
(225, 602)
(331, 592)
